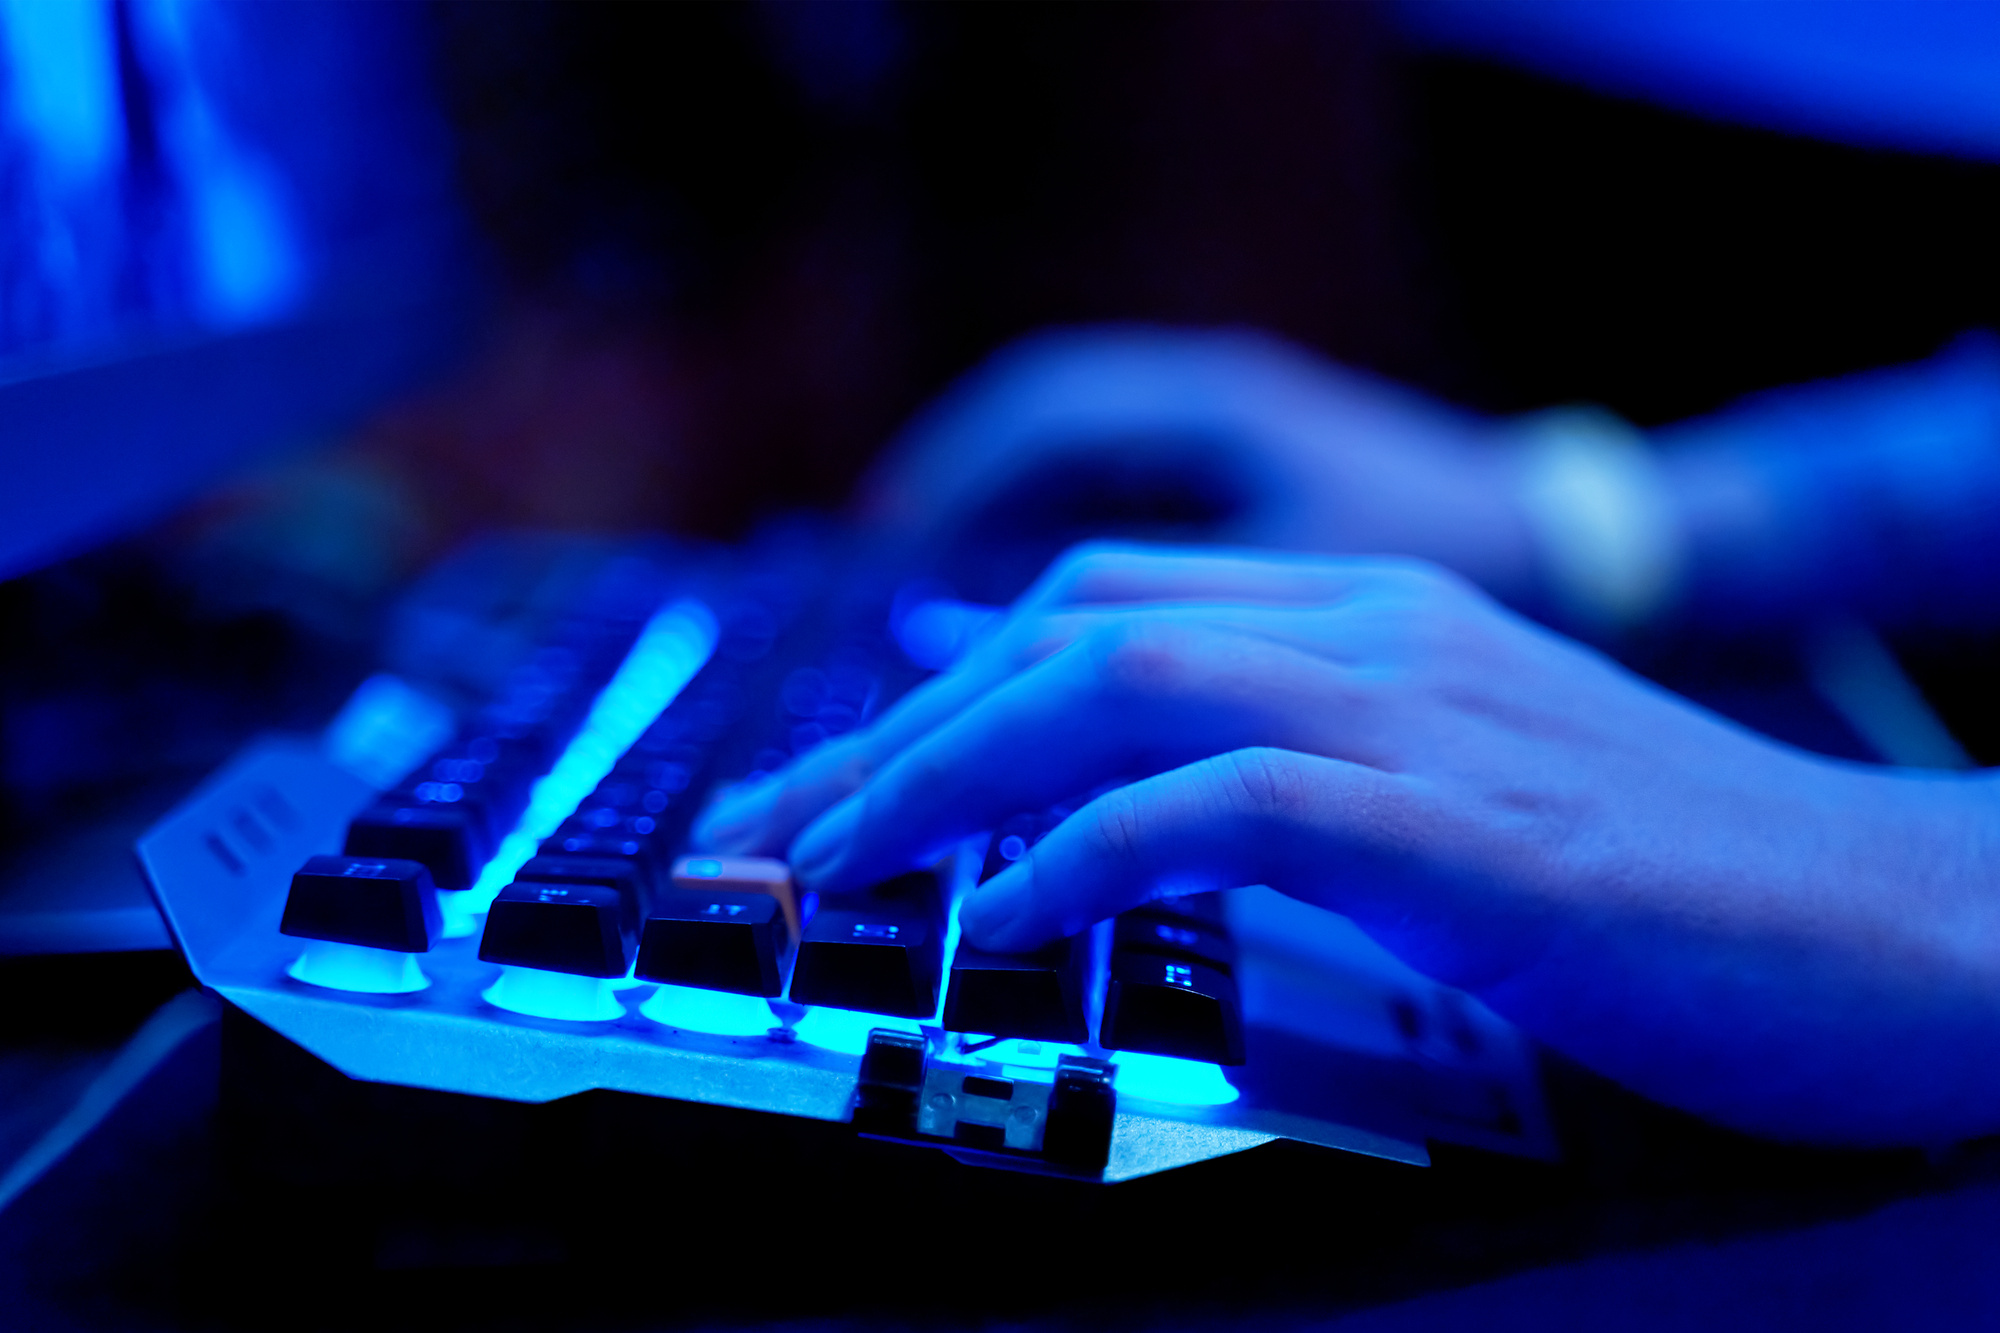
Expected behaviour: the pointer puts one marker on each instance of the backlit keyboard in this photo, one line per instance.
(526, 901)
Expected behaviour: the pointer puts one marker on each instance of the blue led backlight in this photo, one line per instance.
(675, 644)
(561, 995)
(1162, 1078)
(719, 1013)
(846, 1030)
(702, 867)
(357, 968)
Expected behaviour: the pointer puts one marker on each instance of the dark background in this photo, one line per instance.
(733, 247)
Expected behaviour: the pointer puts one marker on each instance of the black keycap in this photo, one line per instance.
(879, 952)
(1188, 938)
(448, 839)
(586, 929)
(384, 904)
(717, 941)
(612, 872)
(1037, 996)
(1171, 1006)
(483, 818)
(596, 844)
(1195, 906)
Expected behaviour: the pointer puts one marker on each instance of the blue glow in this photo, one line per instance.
(540, 994)
(846, 1030)
(936, 633)
(386, 728)
(720, 1013)
(1922, 76)
(62, 74)
(251, 269)
(1019, 1053)
(247, 255)
(1162, 1078)
(675, 644)
(702, 867)
(358, 968)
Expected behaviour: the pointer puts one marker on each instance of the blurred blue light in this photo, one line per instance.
(250, 266)
(702, 867)
(1881, 73)
(937, 632)
(386, 728)
(61, 74)
(675, 644)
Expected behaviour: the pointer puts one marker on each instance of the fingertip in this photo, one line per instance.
(818, 853)
(736, 819)
(994, 916)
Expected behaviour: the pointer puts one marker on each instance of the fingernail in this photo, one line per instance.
(735, 821)
(819, 850)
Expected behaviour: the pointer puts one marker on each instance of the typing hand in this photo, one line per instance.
(1779, 942)
(1226, 436)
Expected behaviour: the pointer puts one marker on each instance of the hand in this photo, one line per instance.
(1214, 435)
(1782, 943)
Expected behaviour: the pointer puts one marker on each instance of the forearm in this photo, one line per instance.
(1878, 495)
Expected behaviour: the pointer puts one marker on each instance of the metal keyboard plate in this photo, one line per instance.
(1329, 1061)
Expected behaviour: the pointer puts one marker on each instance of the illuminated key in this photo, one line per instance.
(1190, 939)
(879, 952)
(741, 874)
(615, 873)
(1035, 996)
(717, 941)
(584, 929)
(1170, 1006)
(382, 904)
(450, 840)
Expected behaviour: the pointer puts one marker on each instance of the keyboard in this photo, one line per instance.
(480, 880)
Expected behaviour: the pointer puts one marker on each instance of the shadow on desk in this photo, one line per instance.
(239, 1183)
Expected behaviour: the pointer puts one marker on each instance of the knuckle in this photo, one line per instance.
(1422, 580)
(1270, 782)
(1420, 614)
(1084, 566)
(1137, 660)
(1117, 828)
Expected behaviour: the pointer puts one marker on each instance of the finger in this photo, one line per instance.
(1052, 397)
(1129, 701)
(1302, 824)
(764, 817)
(1109, 574)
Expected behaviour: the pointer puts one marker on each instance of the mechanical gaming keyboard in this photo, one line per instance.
(479, 882)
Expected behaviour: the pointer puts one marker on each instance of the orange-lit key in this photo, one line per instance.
(741, 874)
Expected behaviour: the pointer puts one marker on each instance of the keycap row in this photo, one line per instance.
(730, 924)
(577, 907)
